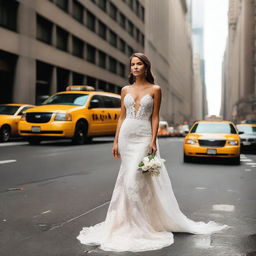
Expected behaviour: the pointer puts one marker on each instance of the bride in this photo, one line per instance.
(143, 210)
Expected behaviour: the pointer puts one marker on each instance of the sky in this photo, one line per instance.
(216, 31)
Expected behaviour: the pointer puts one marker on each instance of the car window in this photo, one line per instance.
(226, 128)
(108, 102)
(246, 128)
(8, 110)
(67, 99)
(99, 100)
(116, 102)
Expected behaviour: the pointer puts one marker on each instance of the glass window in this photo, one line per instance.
(112, 11)
(137, 35)
(78, 79)
(117, 102)
(129, 51)
(112, 38)
(108, 103)
(91, 53)
(102, 4)
(102, 30)
(212, 127)
(8, 14)
(130, 3)
(63, 4)
(90, 21)
(99, 100)
(44, 30)
(78, 47)
(122, 69)
(111, 87)
(8, 110)
(137, 7)
(130, 28)
(121, 45)
(122, 20)
(102, 59)
(142, 12)
(78, 11)
(67, 99)
(112, 65)
(247, 129)
(102, 85)
(142, 39)
(91, 81)
(62, 39)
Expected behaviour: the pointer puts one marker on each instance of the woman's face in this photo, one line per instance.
(137, 67)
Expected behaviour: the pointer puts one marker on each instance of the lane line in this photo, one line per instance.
(8, 161)
(77, 217)
(13, 144)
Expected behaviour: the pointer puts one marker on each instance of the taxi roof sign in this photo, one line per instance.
(80, 88)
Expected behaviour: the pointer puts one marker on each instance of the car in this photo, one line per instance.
(79, 113)
(163, 129)
(248, 138)
(212, 139)
(10, 115)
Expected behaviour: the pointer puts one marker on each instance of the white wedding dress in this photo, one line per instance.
(143, 211)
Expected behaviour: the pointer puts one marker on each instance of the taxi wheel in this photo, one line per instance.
(80, 133)
(34, 141)
(236, 160)
(5, 134)
(187, 159)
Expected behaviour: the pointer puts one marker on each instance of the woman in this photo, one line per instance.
(143, 211)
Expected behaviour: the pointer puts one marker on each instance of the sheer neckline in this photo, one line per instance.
(136, 111)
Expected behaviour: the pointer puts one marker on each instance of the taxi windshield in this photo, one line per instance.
(246, 129)
(8, 110)
(226, 128)
(67, 99)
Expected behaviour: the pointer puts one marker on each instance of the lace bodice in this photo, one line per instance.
(144, 111)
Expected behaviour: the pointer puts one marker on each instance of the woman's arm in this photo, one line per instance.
(155, 118)
(122, 116)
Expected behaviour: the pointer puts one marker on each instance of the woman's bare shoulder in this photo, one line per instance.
(156, 88)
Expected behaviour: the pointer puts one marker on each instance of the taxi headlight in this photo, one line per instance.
(232, 142)
(63, 116)
(190, 141)
(23, 117)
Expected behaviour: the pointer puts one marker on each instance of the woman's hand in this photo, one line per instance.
(115, 151)
(152, 148)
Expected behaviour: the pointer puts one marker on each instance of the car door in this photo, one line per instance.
(96, 105)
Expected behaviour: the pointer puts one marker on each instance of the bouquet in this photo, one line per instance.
(151, 164)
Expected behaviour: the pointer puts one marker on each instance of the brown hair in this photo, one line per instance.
(148, 75)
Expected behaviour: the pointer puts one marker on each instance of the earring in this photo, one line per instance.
(146, 72)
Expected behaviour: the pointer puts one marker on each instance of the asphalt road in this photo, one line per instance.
(49, 192)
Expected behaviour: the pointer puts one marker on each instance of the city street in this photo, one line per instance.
(50, 191)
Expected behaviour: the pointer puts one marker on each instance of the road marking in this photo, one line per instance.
(247, 170)
(200, 188)
(7, 161)
(13, 144)
(223, 207)
(77, 217)
(246, 160)
(250, 163)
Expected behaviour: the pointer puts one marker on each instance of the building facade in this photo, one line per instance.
(168, 45)
(48, 44)
(239, 65)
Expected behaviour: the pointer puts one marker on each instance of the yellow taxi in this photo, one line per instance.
(80, 113)
(10, 115)
(212, 139)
